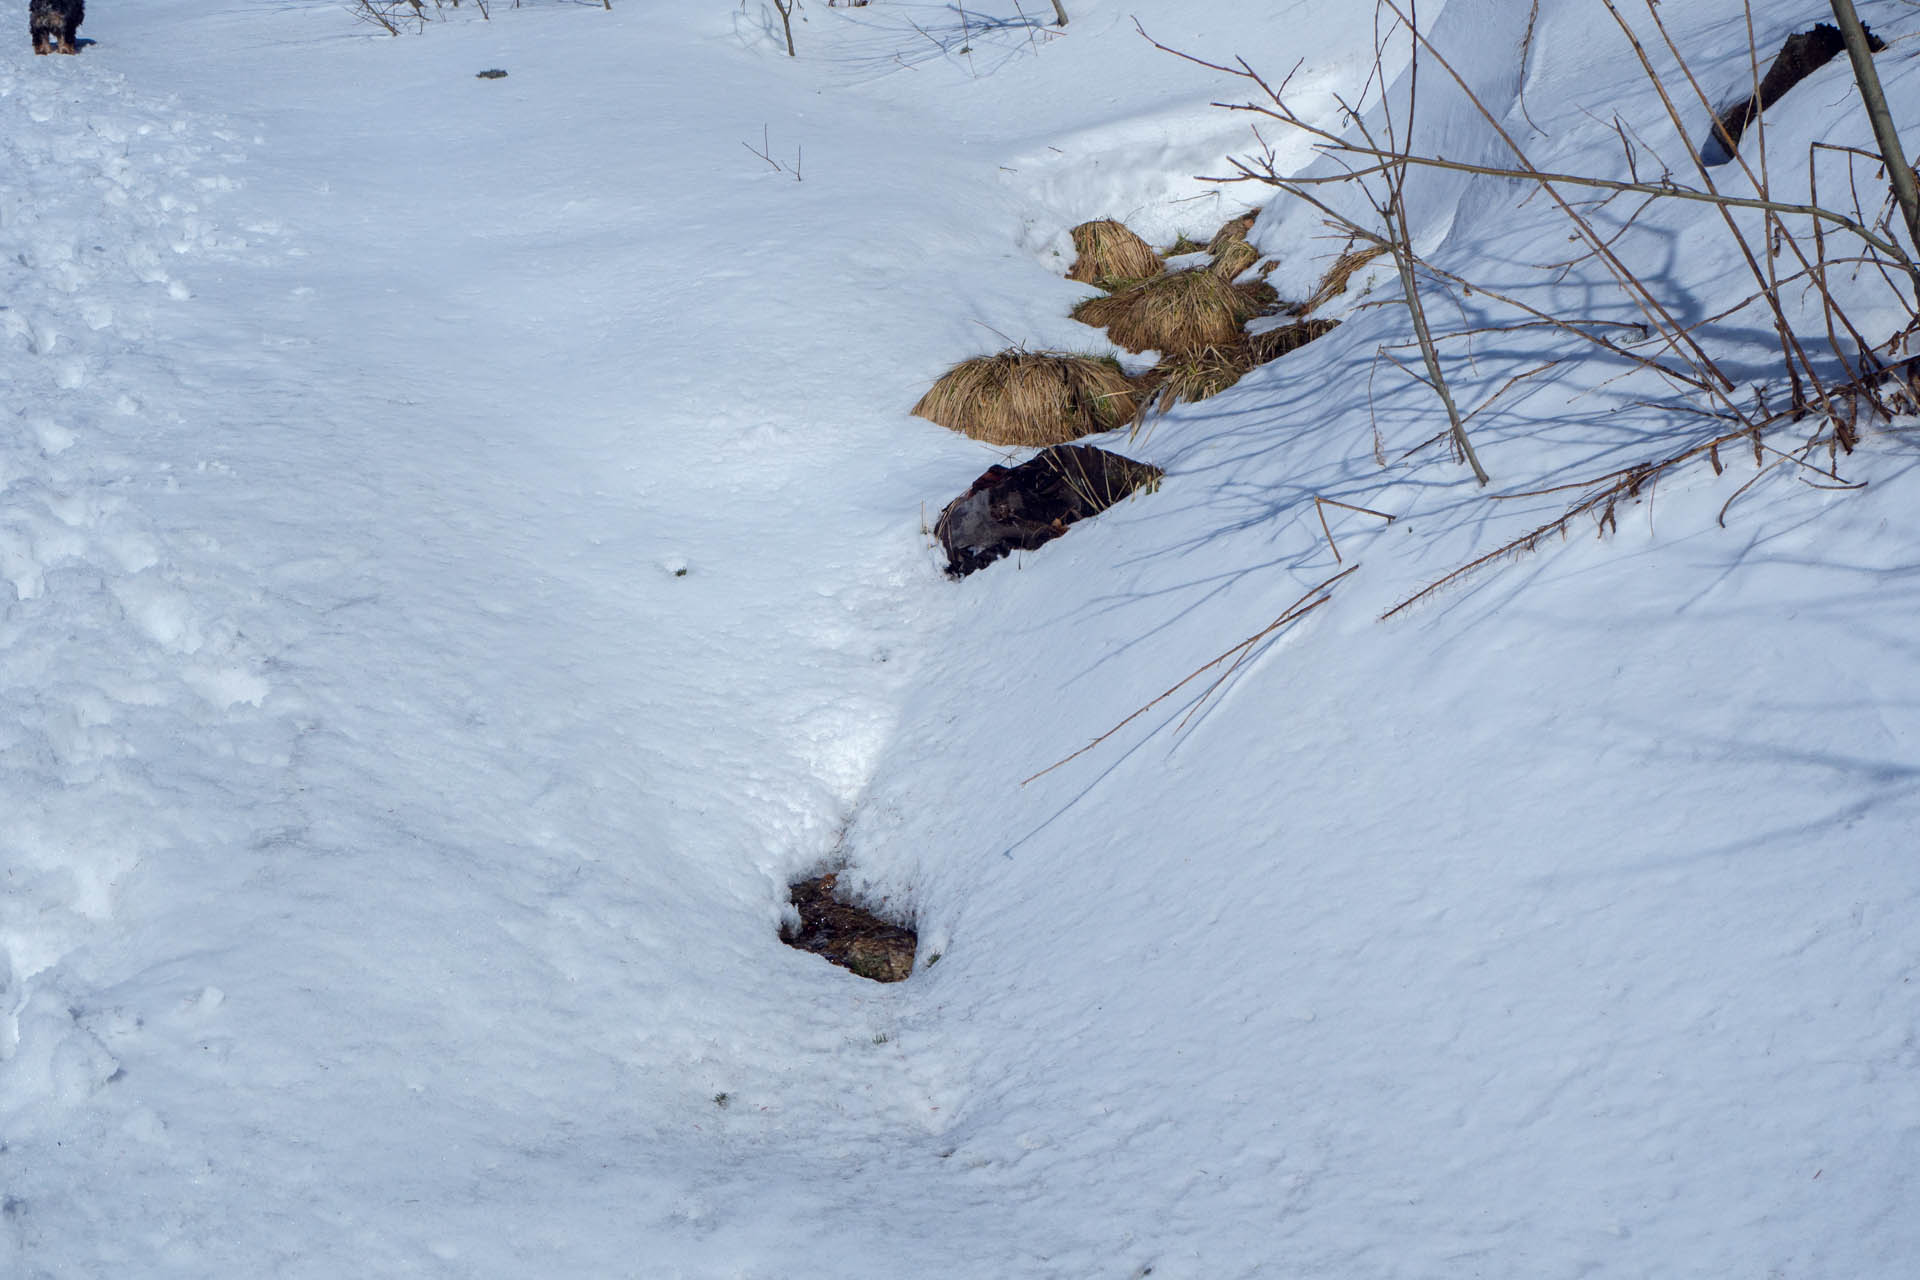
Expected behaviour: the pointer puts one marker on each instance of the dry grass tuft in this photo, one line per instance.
(1340, 273)
(1208, 372)
(1236, 230)
(1031, 397)
(1180, 313)
(1184, 379)
(1275, 343)
(1108, 253)
(1232, 258)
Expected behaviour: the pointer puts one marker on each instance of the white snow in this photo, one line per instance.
(462, 553)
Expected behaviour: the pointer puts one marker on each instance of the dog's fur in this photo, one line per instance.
(55, 23)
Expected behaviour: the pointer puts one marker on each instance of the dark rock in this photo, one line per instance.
(1019, 508)
(849, 936)
(1803, 53)
(493, 73)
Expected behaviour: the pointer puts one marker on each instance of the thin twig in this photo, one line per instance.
(1299, 608)
(1319, 507)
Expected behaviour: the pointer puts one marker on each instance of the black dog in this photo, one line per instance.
(54, 23)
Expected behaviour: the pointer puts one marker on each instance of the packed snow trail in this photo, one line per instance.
(400, 670)
(516, 588)
(118, 654)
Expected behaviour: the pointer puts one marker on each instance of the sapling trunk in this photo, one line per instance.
(1899, 172)
(1401, 249)
(786, 21)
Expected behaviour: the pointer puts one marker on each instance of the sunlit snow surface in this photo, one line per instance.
(395, 839)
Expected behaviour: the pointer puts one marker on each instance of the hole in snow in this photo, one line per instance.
(849, 936)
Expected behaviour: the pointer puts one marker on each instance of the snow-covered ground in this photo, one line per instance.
(462, 553)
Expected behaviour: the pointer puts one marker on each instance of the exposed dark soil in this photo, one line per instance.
(849, 936)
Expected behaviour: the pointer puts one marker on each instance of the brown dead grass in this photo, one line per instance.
(1275, 343)
(1334, 283)
(1109, 252)
(1208, 372)
(1180, 313)
(1184, 379)
(1236, 230)
(1233, 257)
(1031, 397)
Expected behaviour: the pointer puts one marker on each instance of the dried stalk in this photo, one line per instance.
(1312, 599)
(1320, 505)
